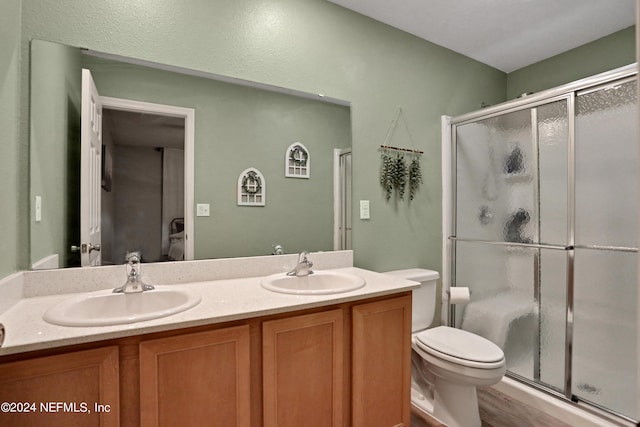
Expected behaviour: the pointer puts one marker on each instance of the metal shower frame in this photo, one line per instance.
(567, 93)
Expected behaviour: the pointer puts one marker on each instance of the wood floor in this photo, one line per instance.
(499, 410)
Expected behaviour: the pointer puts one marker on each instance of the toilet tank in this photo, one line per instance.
(424, 298)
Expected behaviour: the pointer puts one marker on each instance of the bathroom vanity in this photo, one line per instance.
(244, 356)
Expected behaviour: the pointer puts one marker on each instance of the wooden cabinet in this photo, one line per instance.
(348, 364)
(361, 351)
(302, 373)
(196, 379)
(381, 366)
(73, 389)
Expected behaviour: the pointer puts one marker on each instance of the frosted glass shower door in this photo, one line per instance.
(510, 238)
(545, 234)
(496, 180)
(605, 299)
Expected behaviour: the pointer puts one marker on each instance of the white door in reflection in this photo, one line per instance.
(90, 173)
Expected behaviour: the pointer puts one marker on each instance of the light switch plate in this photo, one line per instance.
(364, 209)
(38, 209)
(202, 209)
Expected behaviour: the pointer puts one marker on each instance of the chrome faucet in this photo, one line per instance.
(134, 278)
(303, 268)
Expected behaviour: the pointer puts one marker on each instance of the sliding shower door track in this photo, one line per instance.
(593, 408)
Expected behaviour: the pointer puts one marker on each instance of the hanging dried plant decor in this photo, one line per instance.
(415, 177)
(395, 170)
(400, 176)
(395, 174)
(386, 174)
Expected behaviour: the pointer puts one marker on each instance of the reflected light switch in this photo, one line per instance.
(202, 209)
(364, 209)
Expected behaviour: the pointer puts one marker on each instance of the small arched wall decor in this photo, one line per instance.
(297, 161)
(252, 188)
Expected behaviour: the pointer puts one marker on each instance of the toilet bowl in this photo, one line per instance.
(458, 362)
(447, 363)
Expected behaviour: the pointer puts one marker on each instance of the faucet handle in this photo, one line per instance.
(132, 257)
(304, 264)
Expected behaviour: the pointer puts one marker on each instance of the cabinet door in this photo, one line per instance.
(302, 370)
(73, 389)
(381, 365)
(196, 379)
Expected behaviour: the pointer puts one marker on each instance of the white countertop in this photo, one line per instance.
(222, 301)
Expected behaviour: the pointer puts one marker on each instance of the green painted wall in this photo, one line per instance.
(607, 53)
(54, 143)
(13, 151)
(312, 46)
(307, 45)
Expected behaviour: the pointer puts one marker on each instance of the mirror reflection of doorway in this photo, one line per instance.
(143, 200)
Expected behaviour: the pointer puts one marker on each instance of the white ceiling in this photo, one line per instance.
(506, 34)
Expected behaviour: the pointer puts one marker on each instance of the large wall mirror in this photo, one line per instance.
(142, 171)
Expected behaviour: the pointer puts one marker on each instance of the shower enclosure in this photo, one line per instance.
(544, 233)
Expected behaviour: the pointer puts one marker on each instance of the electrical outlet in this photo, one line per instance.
(202, 209)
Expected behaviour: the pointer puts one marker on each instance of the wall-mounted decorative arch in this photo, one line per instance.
(252, 188)
(297, 161)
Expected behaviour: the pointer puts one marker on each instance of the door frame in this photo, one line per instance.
(339, 201)
(188, 114)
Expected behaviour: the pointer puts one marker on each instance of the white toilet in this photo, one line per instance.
(447, 363)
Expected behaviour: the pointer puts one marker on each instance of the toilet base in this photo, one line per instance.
(421, 402)
(446, 391)
(453, 404)
(456, 405)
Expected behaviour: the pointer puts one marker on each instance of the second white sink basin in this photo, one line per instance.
(318, 283)
(103, 308)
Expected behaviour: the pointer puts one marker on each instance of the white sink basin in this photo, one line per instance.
(103, 308)
(318, 283)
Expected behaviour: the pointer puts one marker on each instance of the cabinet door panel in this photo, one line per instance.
(381, 369)
(302, 370)
(62, 390)
(196, 379)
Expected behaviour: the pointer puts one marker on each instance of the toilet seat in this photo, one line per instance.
(460, 347)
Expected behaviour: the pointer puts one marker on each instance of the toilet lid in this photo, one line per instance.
(459, 344)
